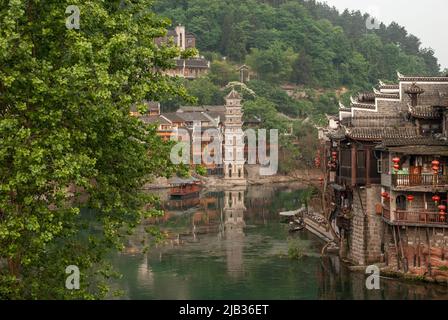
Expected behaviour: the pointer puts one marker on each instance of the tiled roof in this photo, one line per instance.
(390, 86)
(193, 116)
(366, 97)
(416, 141)
(221, 109)
(421, 79)
(424, 112)
(192, 63)
(388, 95)
(377, 134)
(154, 119)
(367, 106)
(173, 116)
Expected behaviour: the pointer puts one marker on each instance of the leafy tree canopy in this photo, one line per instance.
(67, 141)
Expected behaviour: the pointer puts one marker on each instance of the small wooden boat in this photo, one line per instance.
(184, 188)
(296, 222)
(292, 214)
(296, 225)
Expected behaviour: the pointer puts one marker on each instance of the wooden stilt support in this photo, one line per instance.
(415, 248)
(404, 259)
(419, 261)
(396, 248)
(429, 252)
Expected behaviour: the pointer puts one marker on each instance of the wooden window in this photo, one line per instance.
(379, 165)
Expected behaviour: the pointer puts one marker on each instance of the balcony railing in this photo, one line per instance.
(414, 180)
(416, 217)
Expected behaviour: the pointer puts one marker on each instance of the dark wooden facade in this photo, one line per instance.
(358, 165)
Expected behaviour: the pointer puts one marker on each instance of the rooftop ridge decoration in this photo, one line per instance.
(362, 105)
(343, 108)
(395, 96)
(403, 78)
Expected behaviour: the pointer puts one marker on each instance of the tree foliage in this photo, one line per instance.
(304, 42)
(67, 141)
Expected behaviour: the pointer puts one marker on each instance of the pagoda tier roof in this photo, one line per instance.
(234, 95)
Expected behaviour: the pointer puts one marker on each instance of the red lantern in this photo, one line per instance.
(442, 216)
(435, 168)
(436, 199)
(435, 163)
(385, 195)
(396, 160)
(442, 207)
(410, 198)
(396, 167)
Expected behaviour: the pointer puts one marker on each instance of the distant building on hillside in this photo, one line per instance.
(185, 68)
(152, 109)
(196, 121)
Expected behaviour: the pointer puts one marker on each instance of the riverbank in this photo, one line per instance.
(388, 272)
(310, 177)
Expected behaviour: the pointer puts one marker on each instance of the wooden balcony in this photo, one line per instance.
(419, 181)
(415, 218)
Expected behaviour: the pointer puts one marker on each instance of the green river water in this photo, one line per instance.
(231, 245)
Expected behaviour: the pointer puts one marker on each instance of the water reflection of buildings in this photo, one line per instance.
(234, 224)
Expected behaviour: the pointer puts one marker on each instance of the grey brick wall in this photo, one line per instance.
(365, 239)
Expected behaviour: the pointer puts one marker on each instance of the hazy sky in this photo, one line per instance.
(425, 19)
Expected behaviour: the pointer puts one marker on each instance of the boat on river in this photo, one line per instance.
(295, 219)
(182, 188)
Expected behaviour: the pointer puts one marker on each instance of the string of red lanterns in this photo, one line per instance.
(435, 166)
(396, 161)
(442, 212)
